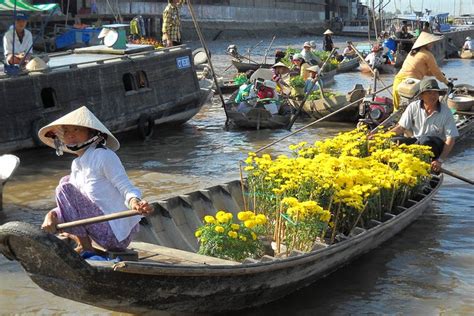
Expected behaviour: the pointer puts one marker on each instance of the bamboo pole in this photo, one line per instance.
(98, 219)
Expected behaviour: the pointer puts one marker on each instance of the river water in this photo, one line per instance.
(427, 269)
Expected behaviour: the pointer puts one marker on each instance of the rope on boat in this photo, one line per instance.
(317, 121)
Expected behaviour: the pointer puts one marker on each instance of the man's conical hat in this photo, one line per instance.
(80, 117)
(425, 39)
(328, 32)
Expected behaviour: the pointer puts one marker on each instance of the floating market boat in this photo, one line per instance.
(462, 98)
(382, 68)
(127, 89)
(467, 54)
(319, 108)
(169, 275)
(348, 65)
(262, 116)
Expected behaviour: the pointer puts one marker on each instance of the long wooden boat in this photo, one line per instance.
(467, 54)
(326, 77)
(383, 68)
(317, 109)
(257, 118)
(127, 89)
(170, 276)
(348, 65)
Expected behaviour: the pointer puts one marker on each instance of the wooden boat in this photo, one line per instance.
(467, 54)
(258, 117)
(317, 109)
(462, 98)
(348, 65)
(127, 89)
(170, 276)
(246, 66)
(383, 68)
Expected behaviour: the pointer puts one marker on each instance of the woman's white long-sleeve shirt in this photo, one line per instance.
(100, 175)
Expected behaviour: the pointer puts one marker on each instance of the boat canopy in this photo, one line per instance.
(21, 5)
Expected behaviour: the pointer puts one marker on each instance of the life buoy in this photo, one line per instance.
(145, 126)
(35, 127)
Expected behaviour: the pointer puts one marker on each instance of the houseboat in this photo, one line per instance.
(131, 88)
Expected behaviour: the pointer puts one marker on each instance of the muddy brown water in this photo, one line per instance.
(427, 269)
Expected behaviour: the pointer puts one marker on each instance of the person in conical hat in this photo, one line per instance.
(328, 45)
(97, 185)
(279, 70)
(313, 76)
(419, 63)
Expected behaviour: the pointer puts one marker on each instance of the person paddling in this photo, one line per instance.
(97, 184)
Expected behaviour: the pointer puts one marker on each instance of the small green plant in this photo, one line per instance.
(223, 238)
(297, 82)
(316, 95)
(240, 79)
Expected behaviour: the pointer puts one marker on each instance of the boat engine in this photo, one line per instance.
(374, 110)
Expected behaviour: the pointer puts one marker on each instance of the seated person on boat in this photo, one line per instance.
(312, 83)
(300, 66)
(308, 55)
(278, 71)
(404, 35)
(260, 93)
(348, 52)
(23, 41)
(451, 49)
(97, 185)
(429, 122)
(389, 46)
(468, 45)
(375, 58)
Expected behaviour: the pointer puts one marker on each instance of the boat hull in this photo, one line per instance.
(349, 65)
(467, 54)
(139, 286)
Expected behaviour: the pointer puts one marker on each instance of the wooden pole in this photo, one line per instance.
(268, 48)
(98, 219)
(454, 175)
(313, 82)
(203, 43)
(317, 121)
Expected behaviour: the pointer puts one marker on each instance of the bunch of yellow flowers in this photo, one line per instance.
(221, 237)
(348, 179)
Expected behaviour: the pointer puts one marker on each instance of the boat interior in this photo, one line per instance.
(167, 236)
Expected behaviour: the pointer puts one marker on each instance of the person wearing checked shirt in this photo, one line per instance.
(172, 23)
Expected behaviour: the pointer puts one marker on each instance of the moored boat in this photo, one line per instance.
(127, 89)
(169, 275)
(348, 65)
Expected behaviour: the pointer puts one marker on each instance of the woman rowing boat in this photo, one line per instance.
(97, 185)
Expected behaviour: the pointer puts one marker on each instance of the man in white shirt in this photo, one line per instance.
(23, 41)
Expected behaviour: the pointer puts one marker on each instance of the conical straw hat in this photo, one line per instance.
(314, 68)
(80, 117)
(36, 64)
(328, 31)
(425, 39)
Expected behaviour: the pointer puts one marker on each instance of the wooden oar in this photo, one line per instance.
(455, 175)
(98, 219)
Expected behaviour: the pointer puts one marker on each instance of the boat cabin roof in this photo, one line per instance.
(93, 56)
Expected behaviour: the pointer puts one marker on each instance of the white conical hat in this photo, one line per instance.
(328, 31)
(36, 64)
(314, 68)
(80, 117)
(425, 39)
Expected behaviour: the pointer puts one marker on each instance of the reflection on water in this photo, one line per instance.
(427, 269)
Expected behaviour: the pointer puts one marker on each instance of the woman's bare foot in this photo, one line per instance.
(82, 243)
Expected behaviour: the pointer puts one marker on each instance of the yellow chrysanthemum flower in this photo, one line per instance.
(219, 229)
